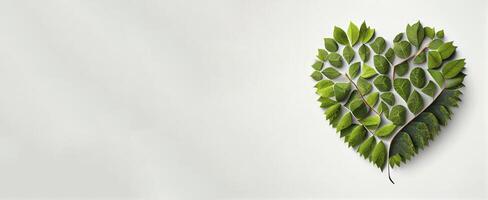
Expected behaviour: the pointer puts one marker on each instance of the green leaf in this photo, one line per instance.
(365, 33)
(378, 45)
(429, 32)
(344, 122)
(390, 55)
(421, 58)
(340, 36)
(367, 71)
(332, 111)
(402, 87)
(335, 59)
(367, 146)
(331, 73)
(419, 132)
(402, 68)
(440, 34)
(364, 52)
(434, 59)
(385, 130)
(316, 75)
(371, 122)
(402, 146)
(435, 44)
(381, 64)
(317, 65)
(372, 99)
(398, 37)
(402, 49)
(383, 83)
(342, 90)
(383, 109)
(378, 156)
(326, 102)
(348, 53)
(415, 102)
(446, 50)
(452, 68)
(417, 77)
(323, 84)
(398, 115)
(364, 86)
(326, 91)
(322, 55)
(395, 160)
(456, 81)
(437, 76)
(353, 33)
(389, 98)
(357, 135)
(430, 89)
(358, 108)
(354, 69)
(415, 34)
(330, 44)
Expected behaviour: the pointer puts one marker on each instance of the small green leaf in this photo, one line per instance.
(398, 115)
(335, 59)
(446, 50)
(415, 34)
(340, 36)
(417, 77)
(381, 64)
(372, 99)
(354, 69)
(440, 34)
(437, 76)
(456, 81)
(326, 91)
(435, 44)
(326, 102)
(452, 68)
(383, 83)
(317, 65)
(378, 45)
(395, 160)
(385, 130)
(389, 98)
(358, 108)
(421, 58)
(390, 55)
(429, 32)
(371, 122)
(402, 49)
(367, 71)
(316, 75)
(333, 111)
(434, 59)
(378, 156)
(366, 147)
(357, 135)
(323, 84)
(364, 86)
(322, 54)
(402, 145)
(415, 102)
(365, 33)
(331, 73)
(330, 44)
(398, 37)
(364, 52)
(383, 108)
(402, 68)
(348, 53)
(430, 89)
(353, 33)
(344, 122)
(342, 90)
(402, 87)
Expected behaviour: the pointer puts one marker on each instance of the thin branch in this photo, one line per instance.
(361, 95)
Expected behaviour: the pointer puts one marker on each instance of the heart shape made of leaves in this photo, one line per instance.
(390, 106)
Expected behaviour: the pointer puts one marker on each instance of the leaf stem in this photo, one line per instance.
(389, 176)
(407, 59)
(361, 95)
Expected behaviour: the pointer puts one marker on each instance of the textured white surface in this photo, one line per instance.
(210, 100)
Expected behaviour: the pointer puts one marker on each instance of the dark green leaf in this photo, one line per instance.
(326, 102)
(446, 50)
(429, 32)
(434, 59)
(430, 89)
(402, 68)
(383, 108)
(357, 135)
(335, 59)
(402, 87)
(452, 68)
(348, 53)
(383, 83)
(322, 55)
(333, 111)
(316, 75)
(419, 133)
(437, 76)
(342, 90)
(415, 102)
(415, 34)
(456, 81)
(398, 37)
(402, 146)
(364, 86)
(381, 64)
(354, 69)
(317, 65)
(417, 77)
(398, 115)
(364, 52)
(330, 44)
(435, 44)
(390, 55)
(421, 58)
(359, 108)
(331, 73)
(378, 45)
(389, 98)
(340, 36)
(440, 34)
(402, 49)
(366, 147)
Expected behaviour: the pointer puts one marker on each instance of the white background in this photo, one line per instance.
(211, 100)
